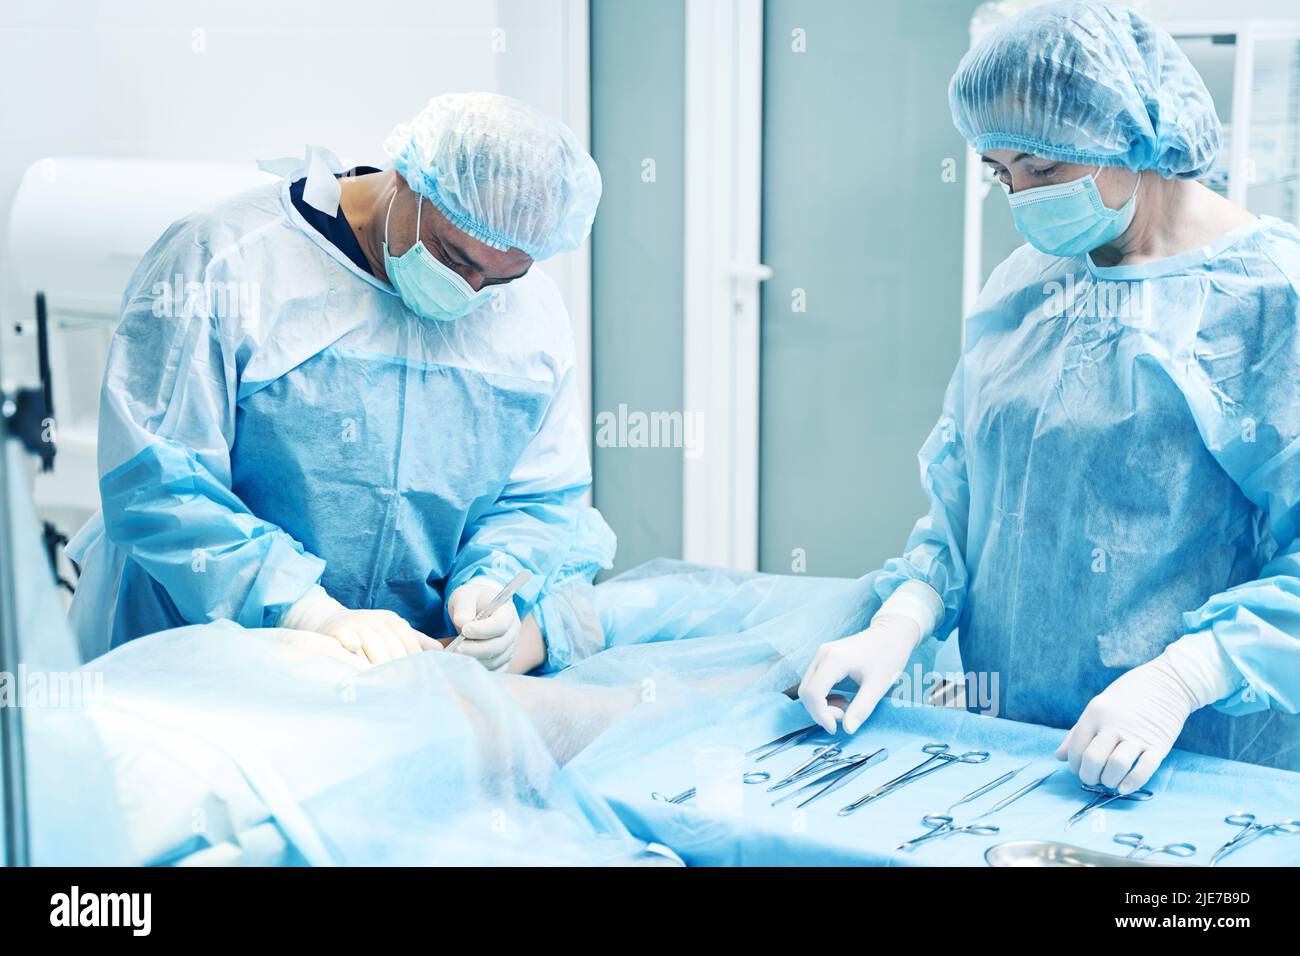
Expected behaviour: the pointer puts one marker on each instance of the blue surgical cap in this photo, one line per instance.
(1089, 83)
(500, 171)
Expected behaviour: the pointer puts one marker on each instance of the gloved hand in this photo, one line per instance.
(493, 640)
(325, 646)
(379, 636)
(873, 658)
(1128, 729)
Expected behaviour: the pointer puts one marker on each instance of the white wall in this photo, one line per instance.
(1214, 9)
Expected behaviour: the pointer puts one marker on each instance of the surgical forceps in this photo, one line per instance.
(1135, 841)
(1103, 796)
(939, 755)
(941, 826)
(1250, 832)
(1012, 798)
(793, 739)
(754, 776)
(829, 782)
(980, 791)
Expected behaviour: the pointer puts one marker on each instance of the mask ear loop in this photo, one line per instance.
(389, 215)
(1136, 184)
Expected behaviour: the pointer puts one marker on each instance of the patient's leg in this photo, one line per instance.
(570, 716)
(531, 653)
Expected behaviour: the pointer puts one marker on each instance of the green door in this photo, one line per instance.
(862, 226)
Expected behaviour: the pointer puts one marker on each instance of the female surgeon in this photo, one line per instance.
(1114, 481)
(349, 406)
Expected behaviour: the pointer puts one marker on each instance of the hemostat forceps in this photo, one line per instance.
(940, 825)
(940, 756)
(793, 739)
(823, 758)
(1135, 841)
(847, 769)
(1250, 831)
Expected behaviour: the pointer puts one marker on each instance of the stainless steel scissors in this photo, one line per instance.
(793, 739)
(1103, 796)
(1250, 832)
(941, 825)
(754, 776)
(940, 756)
(835, 778)
(1135, 841)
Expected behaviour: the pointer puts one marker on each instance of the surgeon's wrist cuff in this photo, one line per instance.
(918, 602)
(1201, 664)
(311, 611)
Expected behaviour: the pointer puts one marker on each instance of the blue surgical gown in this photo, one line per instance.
(1117, 465)
(273, 417)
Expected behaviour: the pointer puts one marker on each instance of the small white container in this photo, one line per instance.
(719, 780)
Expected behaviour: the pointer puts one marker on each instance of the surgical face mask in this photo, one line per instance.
(428, 287)
(1069, 219)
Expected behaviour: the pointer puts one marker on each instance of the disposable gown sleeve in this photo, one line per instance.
(538, 521)
(935, 550)
(1244, 391)
(167, 424)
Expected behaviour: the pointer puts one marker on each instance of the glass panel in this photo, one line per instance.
(637, 113)
(1214, 58)
(861, 320)
(1274, 160)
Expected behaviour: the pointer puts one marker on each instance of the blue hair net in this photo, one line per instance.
(500, 171)
(1086, 83)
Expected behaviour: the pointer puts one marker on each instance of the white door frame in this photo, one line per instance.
(577, 264)
(723, 203)
(569, 96)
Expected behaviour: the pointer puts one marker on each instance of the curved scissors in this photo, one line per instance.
(1135, 841)
(940, 825)
(1103, 796)
(1250, 832)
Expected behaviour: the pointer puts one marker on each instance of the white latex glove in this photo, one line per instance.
(1128, 729)
(379, 636)
(873, 658)
(326, 646)
(493, 640)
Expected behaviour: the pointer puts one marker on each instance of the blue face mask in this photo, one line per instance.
(430, 289)
(1069, 219)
